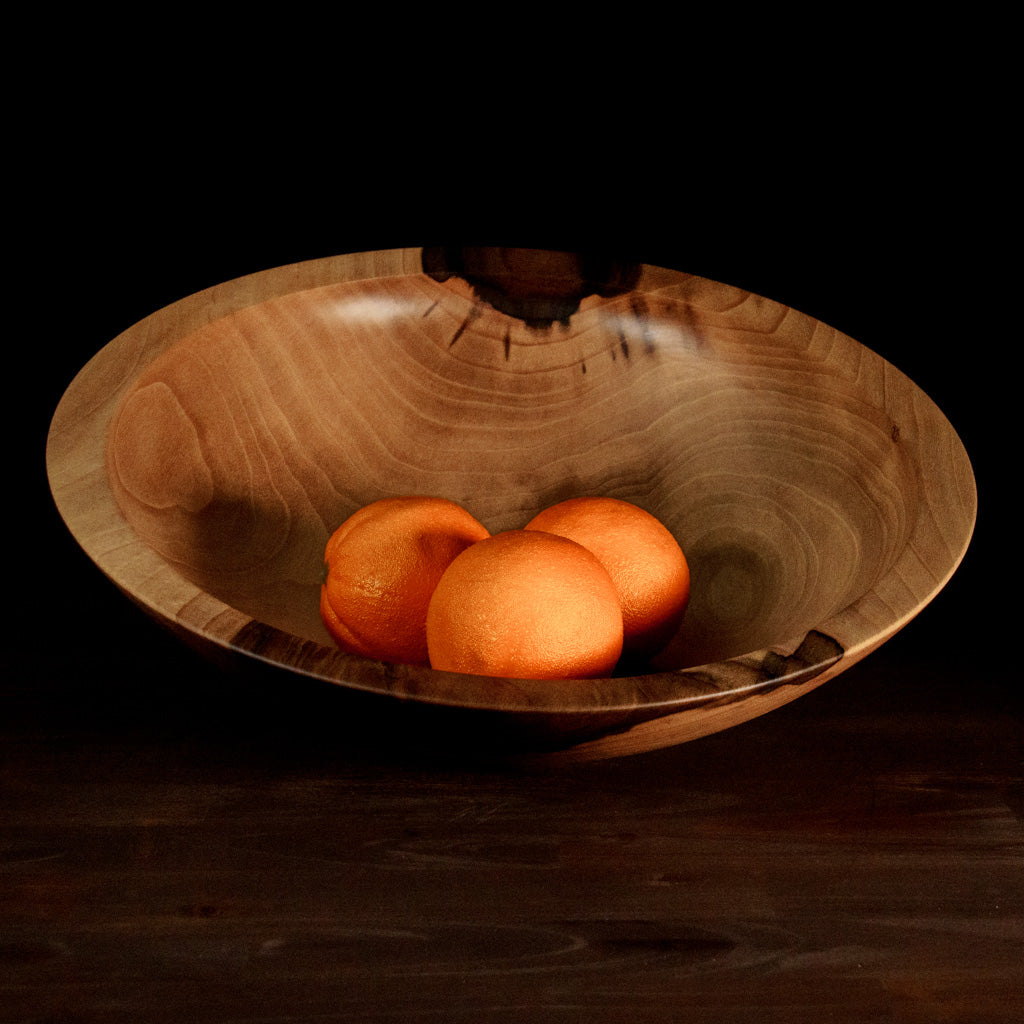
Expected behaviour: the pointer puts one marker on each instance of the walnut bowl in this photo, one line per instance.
(202, 458)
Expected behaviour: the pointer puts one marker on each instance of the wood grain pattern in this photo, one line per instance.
(204, 456)
(833, 862)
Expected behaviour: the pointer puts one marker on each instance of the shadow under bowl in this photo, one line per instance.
(203, 457)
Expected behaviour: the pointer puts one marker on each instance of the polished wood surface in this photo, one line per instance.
(204, 456)
(176, 847)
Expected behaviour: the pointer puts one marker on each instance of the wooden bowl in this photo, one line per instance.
(203, 457)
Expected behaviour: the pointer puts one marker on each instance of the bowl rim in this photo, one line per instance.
(76, 472)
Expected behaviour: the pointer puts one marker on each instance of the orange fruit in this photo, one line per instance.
(642, 557)
(382, 565)
(528, 605)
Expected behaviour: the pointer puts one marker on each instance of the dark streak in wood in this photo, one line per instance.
(816, 653)
(199, 910)
(532, 728)
(474, 314)
(540, 288)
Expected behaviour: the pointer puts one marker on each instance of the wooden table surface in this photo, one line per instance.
(172, 848)
(175, 847)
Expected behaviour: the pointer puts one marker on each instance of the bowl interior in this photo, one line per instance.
(784, 456)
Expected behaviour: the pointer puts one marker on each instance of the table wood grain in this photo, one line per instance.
(170, 851)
